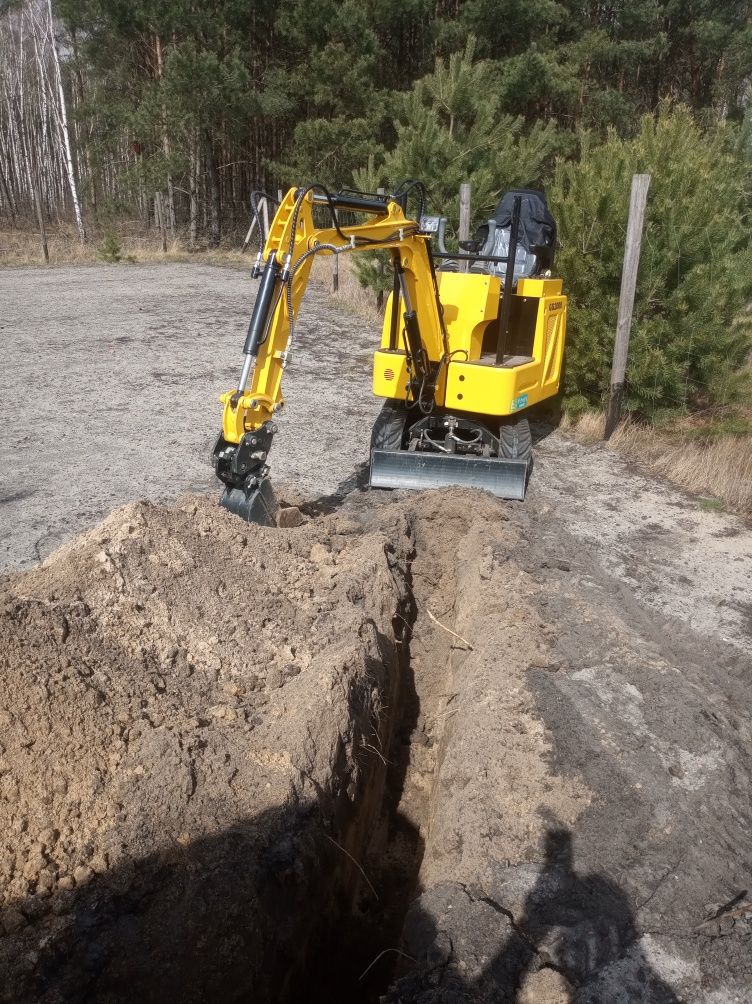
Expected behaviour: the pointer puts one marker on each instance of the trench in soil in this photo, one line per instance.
(271, 909)
(359, 953)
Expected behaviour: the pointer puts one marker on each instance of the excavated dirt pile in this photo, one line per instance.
(190, 711)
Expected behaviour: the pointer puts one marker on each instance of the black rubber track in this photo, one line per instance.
(389, 427)
(516, 439)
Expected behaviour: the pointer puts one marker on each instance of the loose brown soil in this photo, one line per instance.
(422, 741)
(190, 712)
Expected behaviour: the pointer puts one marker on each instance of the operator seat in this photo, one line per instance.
(536, 239)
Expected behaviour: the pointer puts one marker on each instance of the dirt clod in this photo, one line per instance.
(290, 517)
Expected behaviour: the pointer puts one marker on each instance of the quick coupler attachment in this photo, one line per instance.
(243, 470)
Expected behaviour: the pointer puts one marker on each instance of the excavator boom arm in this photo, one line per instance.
(284, 267)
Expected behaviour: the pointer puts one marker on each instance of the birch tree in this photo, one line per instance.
(64, 129)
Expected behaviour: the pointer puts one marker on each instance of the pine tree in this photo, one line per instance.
(690, 335)
(449, 130)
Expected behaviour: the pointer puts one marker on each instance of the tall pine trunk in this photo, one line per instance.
(193, 194)
(214, 195)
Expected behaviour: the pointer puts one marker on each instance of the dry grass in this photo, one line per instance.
(350, 296)
(137, 244)
(718, 468)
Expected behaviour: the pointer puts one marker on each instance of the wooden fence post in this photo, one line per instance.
(637, 202)
(464, 232)
(248, 236)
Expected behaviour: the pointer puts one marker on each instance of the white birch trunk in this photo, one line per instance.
(166, 143)
(70, 170)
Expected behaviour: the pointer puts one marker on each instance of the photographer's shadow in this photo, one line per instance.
(576, 941)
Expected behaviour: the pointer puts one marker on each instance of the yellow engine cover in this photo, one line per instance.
(470, 379)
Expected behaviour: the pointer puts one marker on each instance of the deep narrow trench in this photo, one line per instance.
(359, 953)
(305, 897)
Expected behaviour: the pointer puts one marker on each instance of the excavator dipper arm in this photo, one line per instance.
(284, 266)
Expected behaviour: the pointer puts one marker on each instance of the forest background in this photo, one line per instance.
(123, 117)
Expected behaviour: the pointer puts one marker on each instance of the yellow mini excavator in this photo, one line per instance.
(471, 339)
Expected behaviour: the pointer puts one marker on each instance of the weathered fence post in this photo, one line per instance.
(248, 236)
(464, 232)
(637, 202)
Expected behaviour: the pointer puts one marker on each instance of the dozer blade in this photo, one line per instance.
(402, 469)
(257, 506)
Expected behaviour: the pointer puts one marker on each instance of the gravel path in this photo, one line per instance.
(109, 386)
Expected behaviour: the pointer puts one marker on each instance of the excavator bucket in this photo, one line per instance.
(506, 479)
(256, 506)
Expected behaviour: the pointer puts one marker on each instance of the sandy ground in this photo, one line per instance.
(109, 387)
(571, 771)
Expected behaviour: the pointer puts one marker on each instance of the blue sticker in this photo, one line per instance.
(519, 402)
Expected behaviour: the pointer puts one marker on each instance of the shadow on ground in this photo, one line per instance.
(578, 927)
(257, 914)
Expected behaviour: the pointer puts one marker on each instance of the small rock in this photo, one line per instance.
(676, 771)
(33, 866)
(62, 629)
(66, 882)
(45, 882)
(320, 554)
(99, 863)
(542, 661)
(546, 986)
(34, 907)
(275, 679)
(290, 517)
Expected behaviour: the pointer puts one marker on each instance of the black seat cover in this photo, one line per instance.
(537, 225)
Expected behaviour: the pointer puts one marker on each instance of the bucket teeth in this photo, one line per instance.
(507, 479)
(257, 506)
